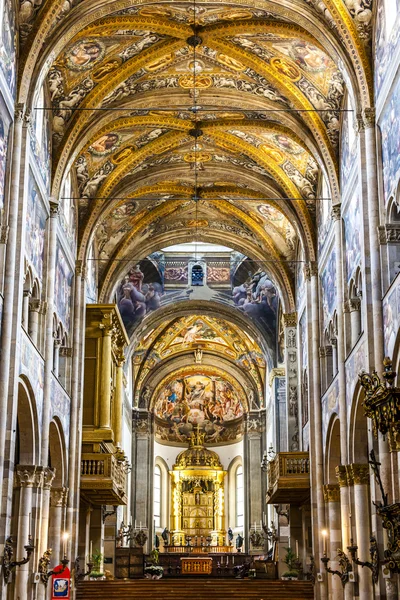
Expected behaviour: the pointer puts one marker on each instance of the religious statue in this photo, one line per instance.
(164, 536)
(230, 536)
(239, 542)
(198, 355)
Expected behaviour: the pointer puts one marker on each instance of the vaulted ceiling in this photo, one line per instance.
(184, 121)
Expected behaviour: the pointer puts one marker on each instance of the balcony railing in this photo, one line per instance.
(103, 479)
(288, 478)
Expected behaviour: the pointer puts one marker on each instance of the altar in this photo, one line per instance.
(196, 565)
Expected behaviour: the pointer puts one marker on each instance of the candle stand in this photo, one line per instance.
(373, 565)
(79, 573)
(344, 563)
(44, 565)
(9, 564)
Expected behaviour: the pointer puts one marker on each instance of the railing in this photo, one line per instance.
(288, 471)
(198, 549)
(103, 472)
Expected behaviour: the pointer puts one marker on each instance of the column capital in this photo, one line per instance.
(368, 115)
(54, 208)
(80, 268)
(28, 476)
(276, 372)
(19, 112)
(354, 303)
(341, 474)
(66, 351)
(332, 492)
(336, 212)
(290, 319)
(359, 473)
(389, 233)
(58, 497)
(328, 351)
(322, 351)
(313, 268)
(35, 305)
(48, 477)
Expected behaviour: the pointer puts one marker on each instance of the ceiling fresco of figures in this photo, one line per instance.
(210, 402)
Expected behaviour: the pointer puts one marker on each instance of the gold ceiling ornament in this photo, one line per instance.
(382, 403)
(197, 455)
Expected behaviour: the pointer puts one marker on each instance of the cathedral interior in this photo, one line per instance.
(199, 299)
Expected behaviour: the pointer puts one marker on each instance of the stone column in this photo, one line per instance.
(345, 482)
(21, 119)
(58, 499)
(355, 319)
(25, 309)
(43, 539)
(333, 342)
(119, 402)
(332, 498)
(142, 478)
(360, 474)
(27, 478)
(252, 456)
(317, 414)
(35, 306)
(105, 395)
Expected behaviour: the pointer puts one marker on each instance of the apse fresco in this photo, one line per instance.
(328, 285)
(7, 45)
(303, 341)
(352, 233)
(63, 288)
(390, 135)
(210, 402)
(35, 227)
(387, 36)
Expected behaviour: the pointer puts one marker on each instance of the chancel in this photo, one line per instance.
(199, 299)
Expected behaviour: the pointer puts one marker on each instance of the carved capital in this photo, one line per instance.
(307, 272)
(290, 319)
(28, 476)
(333, 342)
(354, 303)
(79, 267)
(313, 268)
(276, 373)
(369, 117)
(346, 306)
(322, 351)
(35, 305)
(4, 229)
(54, 209)
(341, 475)
(359, 122)
(349, 472)
(389, 233)
(58, 497)
(332, 492)
(328, 351)
(27, 117)
(66, 351)
(19, 112)
(336, 212)
(48, 478)
(360, 473)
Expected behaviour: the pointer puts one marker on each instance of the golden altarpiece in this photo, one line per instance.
(198, 503)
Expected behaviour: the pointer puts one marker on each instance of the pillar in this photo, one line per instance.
(119, 402)
(105, 383)
(142, 473)
(25, 309)
(345, 482)
(360, 474)
(332, 499)
(292, 382)
(58, 498)
(33, 323)
(355, 319)
(28, 477)
(21, 120)
(317, 426)
(252, 456)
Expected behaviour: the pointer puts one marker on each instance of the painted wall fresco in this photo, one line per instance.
(32, 365)
(330, 405)
(391, 318)
(35, 227)
(354, 365)
(91, 281)
(210, 402)
(385, 45)
(348, 146)
(4, 132)
(7, 44)
(323, 221)
(60, 407)
(63, 288)
(300, 281)
(40, 140)
(390, 134)
(328, 287)
(352, 233)
(303, 341)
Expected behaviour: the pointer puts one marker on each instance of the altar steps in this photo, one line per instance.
(195, 589)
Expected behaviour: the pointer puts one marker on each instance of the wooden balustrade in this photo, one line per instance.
(103, 478)
(288, 478)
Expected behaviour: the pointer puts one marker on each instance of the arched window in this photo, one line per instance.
(157, 496)
(239, 497)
